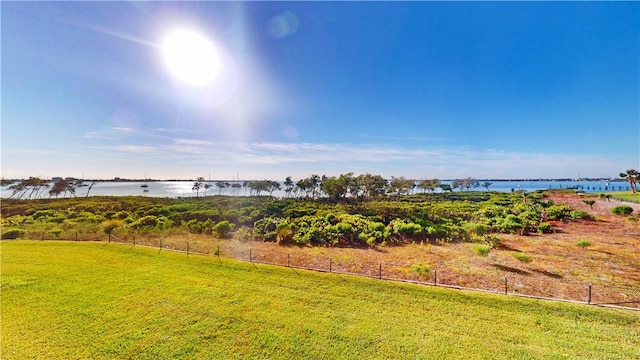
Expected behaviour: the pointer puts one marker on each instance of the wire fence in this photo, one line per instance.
(511, 284)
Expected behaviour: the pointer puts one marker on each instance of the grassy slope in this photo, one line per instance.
(626, 196)
(77, 300)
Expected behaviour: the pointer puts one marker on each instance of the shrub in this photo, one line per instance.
(583, 243)
(223, 228)
(110, 225)
(545, 228)
(580, 215)
(482, 249)
(244, 233)
(511, 224)
(622, 210)
(284, 233)
(476, 229)
(522, 257)
(12, 233)
(54, 233)
(422, 270)
(558, 212)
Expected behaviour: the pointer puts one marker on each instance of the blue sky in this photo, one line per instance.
(415, 89)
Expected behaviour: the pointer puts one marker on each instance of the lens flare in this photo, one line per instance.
(191, 57)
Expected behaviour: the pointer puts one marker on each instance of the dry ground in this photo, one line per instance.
(559, 267)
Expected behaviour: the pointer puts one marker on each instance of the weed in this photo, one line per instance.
(524, 258)
(422, 270)
(482, 249)
(583, 243)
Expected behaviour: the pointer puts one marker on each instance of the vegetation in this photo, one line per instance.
(583, 243)
(482, 249)
(622, 210)
(350, 216)
(524, 258)
(632, 176)
(105, 302)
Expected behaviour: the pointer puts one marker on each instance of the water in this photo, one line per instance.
(174, 189)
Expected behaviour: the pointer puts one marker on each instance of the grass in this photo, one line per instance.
(67, 300)
(626, 196)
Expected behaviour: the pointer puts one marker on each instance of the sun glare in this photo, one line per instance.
(191, 57)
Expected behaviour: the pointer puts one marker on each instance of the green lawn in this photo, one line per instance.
(626, 196)
(67, 300)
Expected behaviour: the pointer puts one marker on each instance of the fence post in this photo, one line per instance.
(76, 236)
(288, 260)
(160, 244)
(435, 277)
(134, 240)
(42, 237)
(589, 299)
(330, 264)
(218, 252)
(380, 270)
(187, 248)
(250, 256)
(505, 285)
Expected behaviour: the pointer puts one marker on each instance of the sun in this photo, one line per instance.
(190, 57)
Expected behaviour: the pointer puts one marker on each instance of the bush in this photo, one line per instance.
(12, 233)
(511, 224)
(223, 228)
(522, 257)
(482, 249)
(579, 215)
(244, 233)
(54, 233)
(622, 210)
(545, 228)
(422, 270)
(558, 212)
(110, 225)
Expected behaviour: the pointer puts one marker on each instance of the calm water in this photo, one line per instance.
(176, 189)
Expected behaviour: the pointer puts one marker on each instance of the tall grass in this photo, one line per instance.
(67, 300)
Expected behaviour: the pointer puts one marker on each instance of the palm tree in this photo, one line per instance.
(632, 177)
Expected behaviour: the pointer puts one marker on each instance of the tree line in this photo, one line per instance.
(344, 186)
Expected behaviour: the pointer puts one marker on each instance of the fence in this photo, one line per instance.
(511, 284)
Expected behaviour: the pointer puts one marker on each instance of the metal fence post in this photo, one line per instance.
(380, 270)
(589, 299)
(330, 264)
(109, 238)
(250, 256)
(187, 248)
(435, 277)
(288, 260)
(505, 285)
(134, 240)
(160, 244)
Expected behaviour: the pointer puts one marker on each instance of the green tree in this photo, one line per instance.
(288, 186)
(486, 184)
(632, 176)
(374, 186)
(197, 185)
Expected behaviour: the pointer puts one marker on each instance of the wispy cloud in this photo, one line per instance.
(269, 158)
